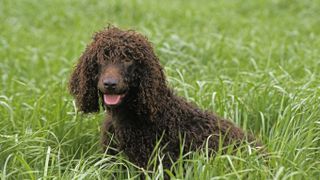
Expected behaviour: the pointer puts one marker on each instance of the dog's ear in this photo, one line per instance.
(152, 85)
(83, 82)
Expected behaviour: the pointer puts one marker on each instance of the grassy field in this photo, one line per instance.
(254, 62)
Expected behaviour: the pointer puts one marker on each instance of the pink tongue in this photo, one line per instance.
(111, 99)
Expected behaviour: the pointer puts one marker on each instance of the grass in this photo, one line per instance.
(254, 62)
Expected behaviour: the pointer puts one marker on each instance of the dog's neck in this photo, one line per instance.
(127, 117)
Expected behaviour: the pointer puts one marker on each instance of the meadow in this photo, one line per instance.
(256, 63)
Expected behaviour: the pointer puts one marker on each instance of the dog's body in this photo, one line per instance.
(138, 135)
(121, 68)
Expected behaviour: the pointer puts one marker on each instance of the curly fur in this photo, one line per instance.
(151, 109)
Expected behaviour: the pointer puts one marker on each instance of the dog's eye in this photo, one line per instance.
(127, 60)
(107, 52)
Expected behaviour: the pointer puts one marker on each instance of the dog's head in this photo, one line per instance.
(121, 68)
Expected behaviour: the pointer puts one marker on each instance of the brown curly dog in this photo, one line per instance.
(120, 68)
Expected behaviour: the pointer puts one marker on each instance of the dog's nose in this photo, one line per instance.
(110, 83)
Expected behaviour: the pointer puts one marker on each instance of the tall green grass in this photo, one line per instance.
(254, 62)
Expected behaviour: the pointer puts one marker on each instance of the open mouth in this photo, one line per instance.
(113, 99)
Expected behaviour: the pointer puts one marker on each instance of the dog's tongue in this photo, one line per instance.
(111, 99)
